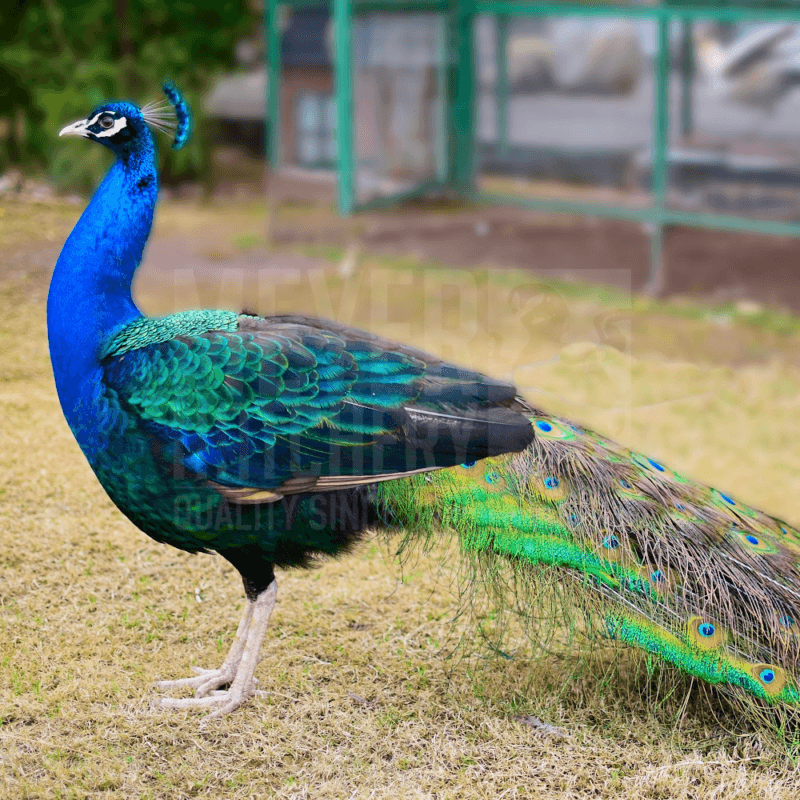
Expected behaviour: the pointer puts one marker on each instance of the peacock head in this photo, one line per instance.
(120, 127)
(124, 127)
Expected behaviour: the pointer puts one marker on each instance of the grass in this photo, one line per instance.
(360, 702)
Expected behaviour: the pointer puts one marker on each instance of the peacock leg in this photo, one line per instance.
(208, 679)
(239, 667)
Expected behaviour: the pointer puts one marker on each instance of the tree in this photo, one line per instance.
(62, 59)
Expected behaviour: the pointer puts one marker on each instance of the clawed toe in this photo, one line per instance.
(205, 683)
(225, 700)
(192, 683)
(215, 681)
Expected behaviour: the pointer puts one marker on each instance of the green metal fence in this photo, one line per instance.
(458, 88)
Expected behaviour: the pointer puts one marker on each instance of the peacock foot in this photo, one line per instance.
(236, 672)
(206, 680)
(226, 700)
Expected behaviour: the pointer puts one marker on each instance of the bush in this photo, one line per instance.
(60, 64)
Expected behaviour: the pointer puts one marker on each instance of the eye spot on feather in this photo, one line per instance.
(627, 491)
(753, 543)
(771, 678)
(468, 464)
(549, 429)
(611, 549)
(786, 535)
(495, 481)
(790, 630)
(550, 488)
(727, 505)
(705, 634)
(656, 580)
(650, 465)
(790, 533)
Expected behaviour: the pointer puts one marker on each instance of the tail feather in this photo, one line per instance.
(680, 570)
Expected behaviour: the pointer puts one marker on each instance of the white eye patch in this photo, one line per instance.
(118, 125)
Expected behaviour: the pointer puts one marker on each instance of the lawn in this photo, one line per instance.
(362, 700)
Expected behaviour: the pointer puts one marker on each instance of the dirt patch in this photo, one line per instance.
(712, 265)
(716, 266)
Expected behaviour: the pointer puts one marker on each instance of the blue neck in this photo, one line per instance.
(90, 291)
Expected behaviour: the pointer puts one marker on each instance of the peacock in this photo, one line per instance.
(278, 441)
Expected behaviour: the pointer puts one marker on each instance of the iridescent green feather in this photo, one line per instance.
(676, 569)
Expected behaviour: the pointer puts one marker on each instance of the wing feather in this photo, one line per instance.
(283, 405)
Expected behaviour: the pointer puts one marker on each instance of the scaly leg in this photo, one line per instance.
(237, 669)
(225, 673)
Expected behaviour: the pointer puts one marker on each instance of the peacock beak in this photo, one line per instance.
(76, 129)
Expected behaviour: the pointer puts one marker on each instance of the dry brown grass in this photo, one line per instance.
(360, 703)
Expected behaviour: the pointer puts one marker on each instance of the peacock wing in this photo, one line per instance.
(263, 407)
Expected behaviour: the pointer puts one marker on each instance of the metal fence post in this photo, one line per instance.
(659, 169)
(443, 149)
(462, 93)
(502, 94)
(687, 77)
(273, 98)
(343, 67)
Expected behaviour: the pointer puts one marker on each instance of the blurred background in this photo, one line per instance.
(657, 128)
(60, 59)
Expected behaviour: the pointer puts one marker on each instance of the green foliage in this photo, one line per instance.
(61, 60)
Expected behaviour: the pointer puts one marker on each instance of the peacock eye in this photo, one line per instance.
(106, 121)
